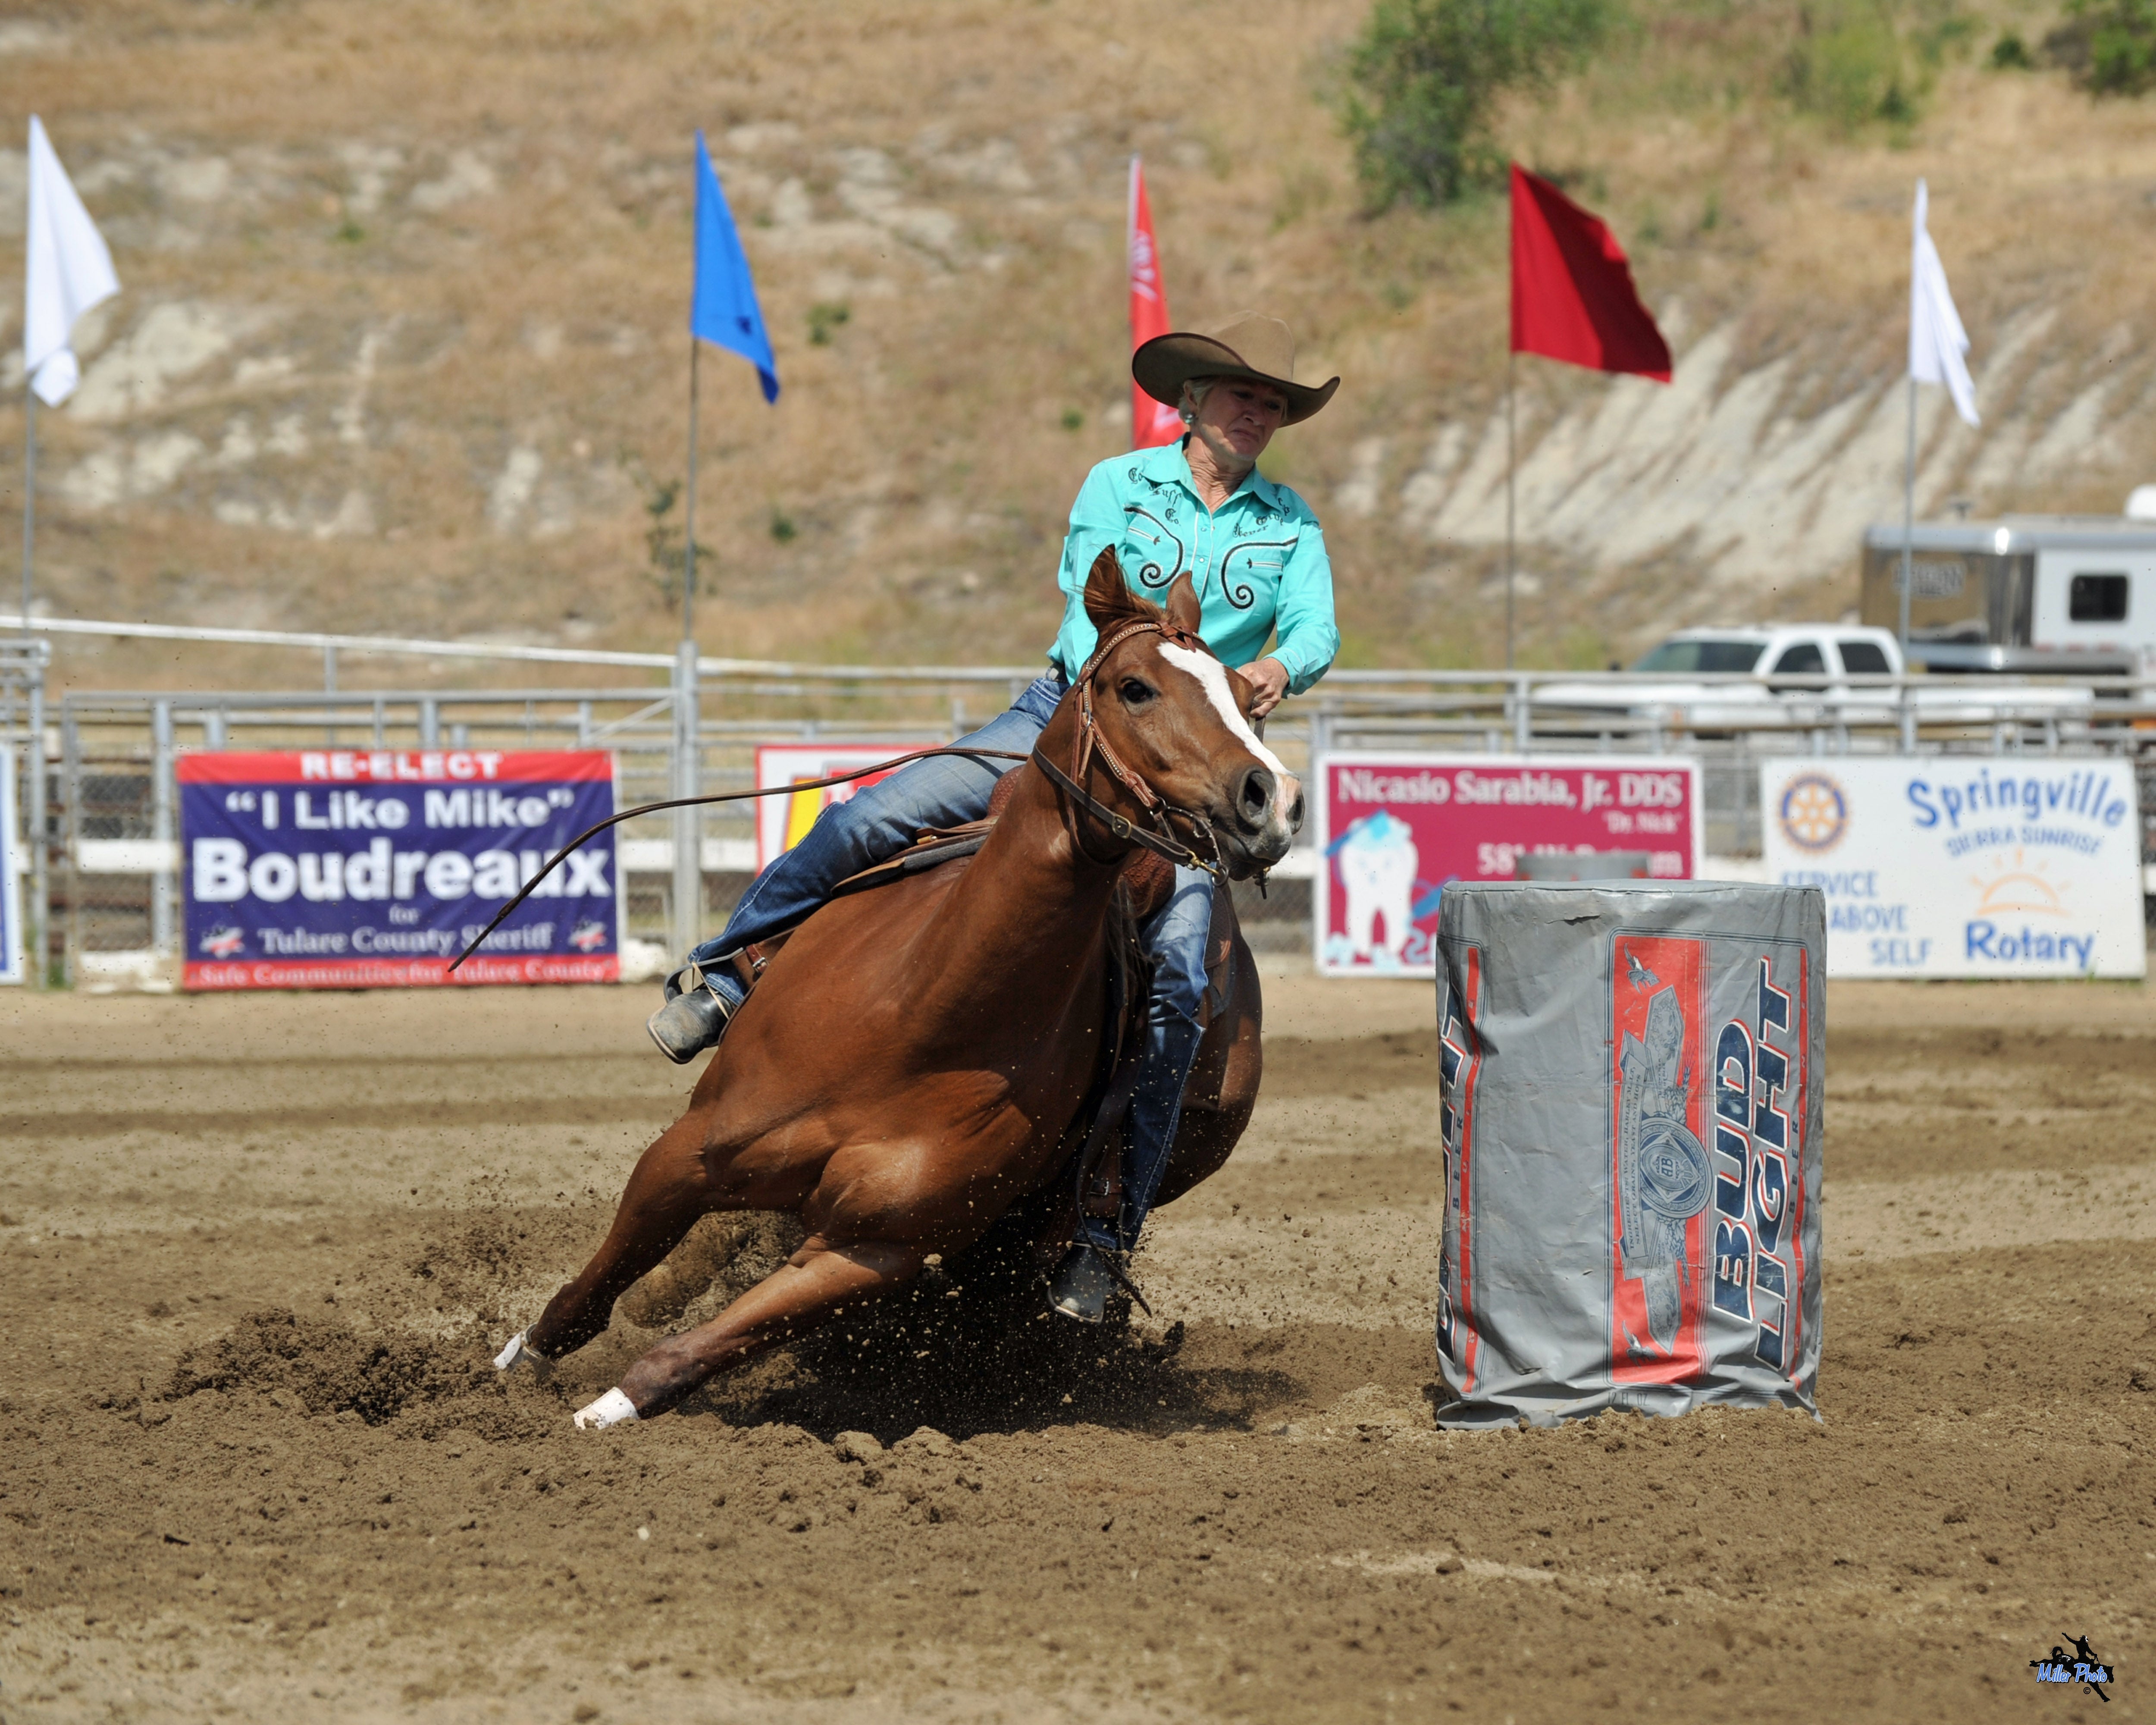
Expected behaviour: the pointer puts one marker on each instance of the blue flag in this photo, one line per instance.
(724, 311)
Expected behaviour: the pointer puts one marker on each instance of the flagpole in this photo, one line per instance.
(36, 957)
(1512, 440)
(689, 522)
(1908, 519)
(688, 892)
(30, 496)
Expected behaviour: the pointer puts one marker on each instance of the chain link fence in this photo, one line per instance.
(115, 893)
(107, 804)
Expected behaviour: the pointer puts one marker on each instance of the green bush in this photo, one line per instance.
(2010, 53)
(1846, 65)
(1425, 75)
(2110, 45)
(1950, 37)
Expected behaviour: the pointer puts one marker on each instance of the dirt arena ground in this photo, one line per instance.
(256, 1465)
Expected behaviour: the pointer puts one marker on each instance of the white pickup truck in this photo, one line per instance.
(1798, 674)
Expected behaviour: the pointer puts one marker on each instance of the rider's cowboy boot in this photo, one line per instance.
(699, 1003)
(1079, 1288)
(1156, 1110)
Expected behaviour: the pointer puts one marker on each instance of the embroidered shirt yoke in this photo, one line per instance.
(1258, 562)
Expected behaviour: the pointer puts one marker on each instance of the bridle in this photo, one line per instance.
(1160, 839)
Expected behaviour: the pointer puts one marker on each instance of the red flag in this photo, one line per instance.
(1572, 297)
(1153, 423)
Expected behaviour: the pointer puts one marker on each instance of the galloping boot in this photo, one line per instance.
(1079, 1287)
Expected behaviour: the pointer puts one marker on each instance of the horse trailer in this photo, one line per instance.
(2016, 593)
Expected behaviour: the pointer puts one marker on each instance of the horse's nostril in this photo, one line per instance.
(1295, 815)
(1256, 796)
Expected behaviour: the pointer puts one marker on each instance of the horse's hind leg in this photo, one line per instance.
(818, 1283)
(668, 1191)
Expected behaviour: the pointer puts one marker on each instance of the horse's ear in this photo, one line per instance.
(1184, 611)
(1109, 599)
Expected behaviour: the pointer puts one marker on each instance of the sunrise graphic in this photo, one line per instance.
(2019, 886)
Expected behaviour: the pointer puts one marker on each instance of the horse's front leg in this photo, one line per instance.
(667, 1192)
(815, 1286)
(681, 1178)
(879, 1211)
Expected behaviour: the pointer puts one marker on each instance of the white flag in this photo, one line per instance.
(70, 271)
(1937, 340)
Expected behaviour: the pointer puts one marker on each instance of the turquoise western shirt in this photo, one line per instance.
(1258, 562)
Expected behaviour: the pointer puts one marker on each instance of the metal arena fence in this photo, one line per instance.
(101, 891)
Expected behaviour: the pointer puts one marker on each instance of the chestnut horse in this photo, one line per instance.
(911, 1061)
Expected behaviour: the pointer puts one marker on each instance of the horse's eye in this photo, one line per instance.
(1135, 693)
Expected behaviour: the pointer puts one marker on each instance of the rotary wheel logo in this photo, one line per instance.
(1814, 813)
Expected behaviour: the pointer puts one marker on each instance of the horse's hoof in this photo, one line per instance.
(612, 1408)
(1079, 1286)
(518, 1353)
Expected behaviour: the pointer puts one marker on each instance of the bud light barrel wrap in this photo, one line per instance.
(1633, 1086)
(359, 869)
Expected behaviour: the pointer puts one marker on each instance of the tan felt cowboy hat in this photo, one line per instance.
(1248, 346)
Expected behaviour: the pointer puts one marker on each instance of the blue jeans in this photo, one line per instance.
(876, 824)
(1174, 937)
(879, 822)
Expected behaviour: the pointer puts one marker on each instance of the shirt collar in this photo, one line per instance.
(1169, 462)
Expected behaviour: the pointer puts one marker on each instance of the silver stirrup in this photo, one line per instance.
(1079, 1286)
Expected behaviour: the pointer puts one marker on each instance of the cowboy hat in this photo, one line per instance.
(1248, 346)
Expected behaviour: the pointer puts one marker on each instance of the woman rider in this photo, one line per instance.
(1254, 551)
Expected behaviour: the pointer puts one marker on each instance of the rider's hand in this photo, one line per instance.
(1268, 681)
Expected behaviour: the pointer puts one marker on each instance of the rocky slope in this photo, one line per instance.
(403, 344)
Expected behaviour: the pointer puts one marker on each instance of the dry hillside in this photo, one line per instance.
(402, 343)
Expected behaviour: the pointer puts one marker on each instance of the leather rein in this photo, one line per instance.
(777, 790)
(1161, 840)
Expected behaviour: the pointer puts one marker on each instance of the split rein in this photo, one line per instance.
(814, 784)
(1161, 841)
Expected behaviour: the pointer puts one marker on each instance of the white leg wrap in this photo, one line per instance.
(612, 1408)
(517, 1353)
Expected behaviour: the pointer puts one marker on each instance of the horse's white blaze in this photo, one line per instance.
(1213, 677)
(612, 1408)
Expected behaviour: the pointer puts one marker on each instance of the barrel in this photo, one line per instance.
(1633, 1080)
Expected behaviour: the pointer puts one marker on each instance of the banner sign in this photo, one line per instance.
(782, 822)
(1396, 829)
(359, 869)
(1939, 866)
(14, 858)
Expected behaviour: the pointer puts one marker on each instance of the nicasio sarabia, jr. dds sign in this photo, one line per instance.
(1938, 867)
